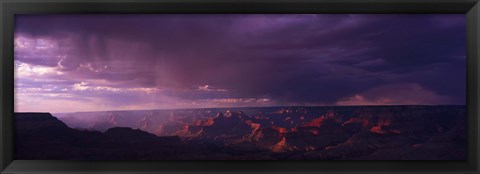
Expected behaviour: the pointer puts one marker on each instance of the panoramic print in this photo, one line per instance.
(240, 87)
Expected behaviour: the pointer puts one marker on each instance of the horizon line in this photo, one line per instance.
(248, 107)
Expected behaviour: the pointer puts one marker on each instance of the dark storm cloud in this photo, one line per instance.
(288, 58)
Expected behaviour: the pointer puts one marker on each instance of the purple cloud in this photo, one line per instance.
(283, 59)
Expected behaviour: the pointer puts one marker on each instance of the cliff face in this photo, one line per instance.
(316, 133)
(42, 136)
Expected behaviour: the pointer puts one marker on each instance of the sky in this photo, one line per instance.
(71, 63)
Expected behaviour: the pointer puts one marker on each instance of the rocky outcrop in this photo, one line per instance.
(44, 137)
(311, 133)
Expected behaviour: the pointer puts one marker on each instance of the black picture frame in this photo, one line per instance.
(8, 8)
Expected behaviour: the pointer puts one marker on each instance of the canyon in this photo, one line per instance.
(410, 132)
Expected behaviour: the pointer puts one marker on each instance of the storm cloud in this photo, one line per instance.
(201, 60)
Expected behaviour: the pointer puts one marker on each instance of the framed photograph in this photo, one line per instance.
(228, 86)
